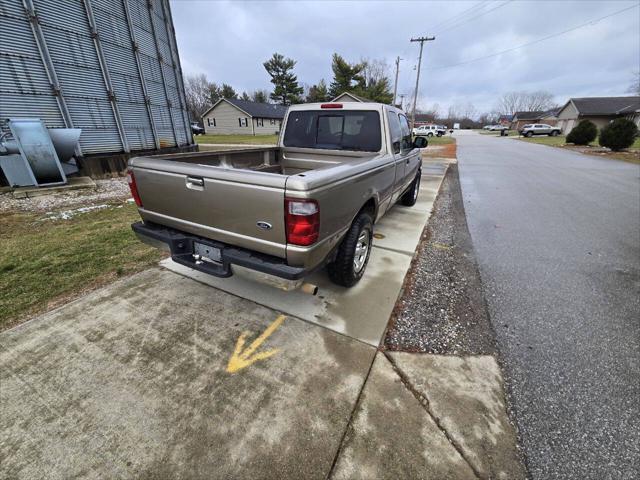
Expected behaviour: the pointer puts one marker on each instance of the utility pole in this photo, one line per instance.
(415, 95)
(395, 85)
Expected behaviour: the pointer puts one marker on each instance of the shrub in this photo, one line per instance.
(583, 134)
(619, 134)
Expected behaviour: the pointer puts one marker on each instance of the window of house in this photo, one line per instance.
(260, 122)
(243, 122)
(273, 121)
(211, 122)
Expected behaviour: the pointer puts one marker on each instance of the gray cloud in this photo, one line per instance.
(229, 41)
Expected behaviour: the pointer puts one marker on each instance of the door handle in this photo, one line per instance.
(408, 160)
(197, 182)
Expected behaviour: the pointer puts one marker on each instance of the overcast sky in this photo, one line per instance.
(229, 41)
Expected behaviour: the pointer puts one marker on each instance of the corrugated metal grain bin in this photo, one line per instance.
(109, 67)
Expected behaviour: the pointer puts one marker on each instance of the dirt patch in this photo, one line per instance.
(442, 308)
(440, 151)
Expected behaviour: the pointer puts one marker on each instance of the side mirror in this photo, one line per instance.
(420, 142)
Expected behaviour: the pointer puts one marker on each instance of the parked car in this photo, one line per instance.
(539, 129)
(429, 131)
(497, 128)
(286, 210)
(196, 129)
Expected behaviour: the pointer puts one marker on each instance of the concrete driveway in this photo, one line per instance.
(161, 375)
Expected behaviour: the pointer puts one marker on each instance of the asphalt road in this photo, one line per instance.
(557, 238)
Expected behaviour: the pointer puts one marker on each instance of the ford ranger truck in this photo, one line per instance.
(287, 210)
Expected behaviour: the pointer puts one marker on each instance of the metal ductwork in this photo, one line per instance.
(32, 155)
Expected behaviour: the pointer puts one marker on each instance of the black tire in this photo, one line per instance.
(344, 270)
(528, 134)
(410, 197)
(430, 134)
(554, 133)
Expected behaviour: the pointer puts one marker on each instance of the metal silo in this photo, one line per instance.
(109, 67)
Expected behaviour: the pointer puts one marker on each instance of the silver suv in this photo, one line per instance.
(539, 129)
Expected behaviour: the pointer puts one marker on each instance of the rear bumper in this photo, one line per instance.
(180, 244)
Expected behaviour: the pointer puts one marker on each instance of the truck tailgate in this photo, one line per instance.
(239, 207)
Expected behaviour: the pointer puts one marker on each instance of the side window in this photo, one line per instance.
(243, 122)
(395, 131)
(407, 144)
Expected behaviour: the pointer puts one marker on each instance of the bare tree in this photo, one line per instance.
(634, 87)
(197, 91)
(513, 102)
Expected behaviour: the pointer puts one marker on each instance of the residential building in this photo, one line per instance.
(233, 116)
(599, 110)
(350, 97)
(548, 117)
(505, 120)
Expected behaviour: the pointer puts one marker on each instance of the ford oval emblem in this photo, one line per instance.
(264, 225)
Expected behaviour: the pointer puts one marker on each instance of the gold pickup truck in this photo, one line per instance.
(287, 210)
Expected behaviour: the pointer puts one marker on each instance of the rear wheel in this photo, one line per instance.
(554, 133)
(430, 134)
(353, 254)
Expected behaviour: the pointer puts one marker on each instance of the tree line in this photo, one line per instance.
(367, 78)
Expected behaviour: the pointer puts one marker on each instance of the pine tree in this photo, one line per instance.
(286, 89)
(346, 77)
(245, 96)
(227, 91)
(260, 96)
(318, 93)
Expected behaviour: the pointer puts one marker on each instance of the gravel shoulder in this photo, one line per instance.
(442, 308)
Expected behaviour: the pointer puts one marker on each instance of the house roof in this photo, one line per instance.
(528, 115)
(358, 98)
(606, 105)
(506, 117)
(254, 109)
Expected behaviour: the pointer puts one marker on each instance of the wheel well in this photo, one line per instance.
(370, 207)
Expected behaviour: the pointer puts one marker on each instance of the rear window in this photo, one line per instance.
(345, 130)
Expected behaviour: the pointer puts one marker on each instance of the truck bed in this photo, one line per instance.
(268, 160)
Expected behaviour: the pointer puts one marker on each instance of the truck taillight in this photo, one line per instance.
(302, 220)
(131, 180)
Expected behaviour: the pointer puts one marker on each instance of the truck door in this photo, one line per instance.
(395, 133)
(410, 155)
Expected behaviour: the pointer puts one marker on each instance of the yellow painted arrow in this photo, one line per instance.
(240, 359)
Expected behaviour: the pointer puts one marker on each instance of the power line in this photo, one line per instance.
(590, 22)
(456, 25)
(458, 16)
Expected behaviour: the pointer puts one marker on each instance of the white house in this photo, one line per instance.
(599, 110)
(234, 116)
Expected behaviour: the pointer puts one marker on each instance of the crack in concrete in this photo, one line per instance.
(350, 421)
(424, 401)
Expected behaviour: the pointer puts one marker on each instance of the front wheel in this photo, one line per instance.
(529, 134)
(353, 254)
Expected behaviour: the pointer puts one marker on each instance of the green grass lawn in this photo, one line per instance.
(237, 139)
(632, 154)
(562, 140)
(44, 263)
